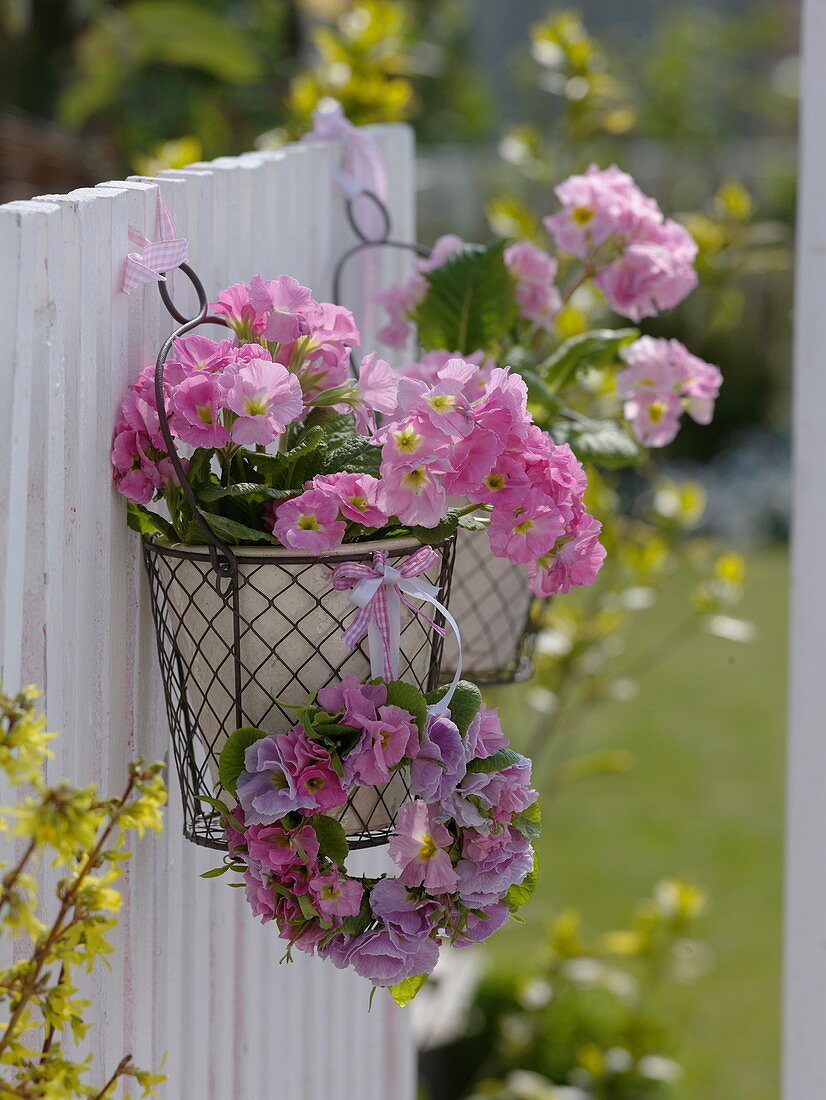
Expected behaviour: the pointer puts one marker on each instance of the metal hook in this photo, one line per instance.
(223, 560)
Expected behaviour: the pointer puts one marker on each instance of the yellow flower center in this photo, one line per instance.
(384, 737)
(441, 402)
(329, 891)
(495, 481)
(428, 849)
(416, 479)
(314, 783)
(359, 503)
(256, 405)
(204, 413)
(582, 214)
(523, 527)
(408, 440)
(279, 781)
(656, 412)
(308, 523)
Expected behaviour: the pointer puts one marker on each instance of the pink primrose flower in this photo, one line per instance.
(357, 701)
(334, 896)
(309, 522)
(264, 396)
(272, 848)
(420, 846)
(400, 301)
(411, 441)
(596, 206)
(197, 403)
(415, 494)
(384, 742)
(577, 562)
(287, 772)
(439, 762)
(282, 304)
(357, 496)
(235, 305)
(473, 458)
(404, 916)
(506, 483)
(534, 272)
(443, 248)
(700, 382)
(485, 735)
(378, 386)
(385, 960)
(491, 863)
(197, 353)
(478, 928)
(655, 417)
(651, 366)
(525, 533)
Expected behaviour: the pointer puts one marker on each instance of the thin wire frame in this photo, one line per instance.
(241, 656)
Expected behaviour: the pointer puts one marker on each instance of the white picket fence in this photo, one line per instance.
(195, 978)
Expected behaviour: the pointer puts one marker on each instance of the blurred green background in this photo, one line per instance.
(658, 720)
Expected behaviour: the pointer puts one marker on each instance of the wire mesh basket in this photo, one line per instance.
(492, 601)
(240, 657)
(243, 633)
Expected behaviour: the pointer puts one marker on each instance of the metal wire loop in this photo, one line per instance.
(221, 556)
(381, 206)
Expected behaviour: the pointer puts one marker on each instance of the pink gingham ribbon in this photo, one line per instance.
(364, 167)
(379, 591)
(155, 257)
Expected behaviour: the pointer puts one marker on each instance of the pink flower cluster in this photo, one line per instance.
(445, 444)
(459, 844)
(312, 338)
(215, 394)
(662, 380)
(642, 261)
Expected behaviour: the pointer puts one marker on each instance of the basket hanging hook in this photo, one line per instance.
(223, 560)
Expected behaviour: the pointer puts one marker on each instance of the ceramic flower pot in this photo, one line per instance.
(244, 658)
(491, 602)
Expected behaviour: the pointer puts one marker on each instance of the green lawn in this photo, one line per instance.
(704, 802)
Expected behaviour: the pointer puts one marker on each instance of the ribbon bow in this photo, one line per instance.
(364, 167)
(379, 591)
(156, 257)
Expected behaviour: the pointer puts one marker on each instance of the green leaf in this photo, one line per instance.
(505, 758)
(522, 892)
(589, 349)
(443, 529)
(529, 821)
(355, 456)
(229, 531)
(215, 872)
(464, 706)
(404, 992)
(231, 762)
(245, 490)
(334, 730)
(223, 809)
(409, 698)
(278, 467)
(308, 910)
(199, 471)
(145, 522)
(471, 301)
(602, 442)
(332, 839)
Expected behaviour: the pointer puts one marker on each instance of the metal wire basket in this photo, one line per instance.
(498, 613)
(243, 633)
(491, 600)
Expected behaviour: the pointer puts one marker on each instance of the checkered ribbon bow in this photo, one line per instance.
(364, 167)
(379, 591)
(156, 257)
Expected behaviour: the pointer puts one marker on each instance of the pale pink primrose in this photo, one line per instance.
(334, 896)
(282, 303)
(197, 403)
(534, 272)
(378, 386)
(309, 522)
(525, 533)
(415, 494)
(265, 397)
(654, 417)
(576, 562)
(357, 496)
(419, 847)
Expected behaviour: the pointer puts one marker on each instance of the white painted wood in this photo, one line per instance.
(195, 978)
(804, 1073)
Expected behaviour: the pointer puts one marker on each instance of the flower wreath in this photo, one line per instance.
(462, 842)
